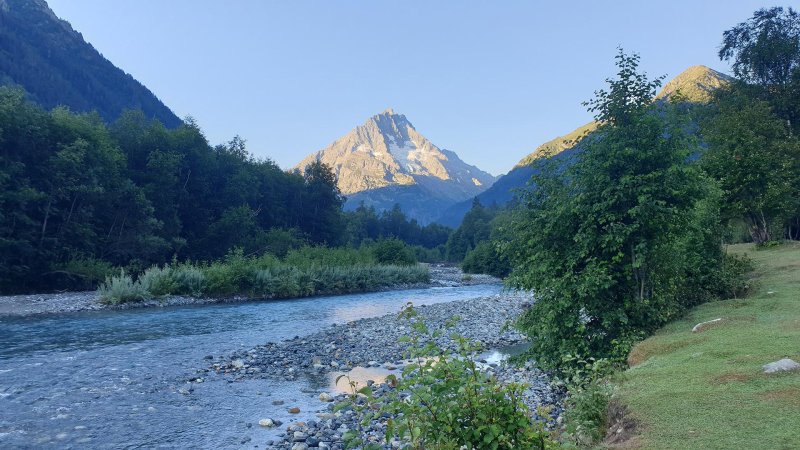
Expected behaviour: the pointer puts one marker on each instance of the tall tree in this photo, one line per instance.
(598, 241)
(765, 52)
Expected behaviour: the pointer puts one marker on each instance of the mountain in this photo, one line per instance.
(694, 85)
(387, 161)
(56, 66)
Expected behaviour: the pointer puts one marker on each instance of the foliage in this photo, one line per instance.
(393, 251)
(602, 241)
(587, 414)
(475, 228)
(122, 289)
(364, 225)
(428, 255)
(765, 49)
(303, 272)
(756, 161)
(755, 152)
(485, 258)
(90, 272)
(159, 281)
(445, 401)
(135, 194)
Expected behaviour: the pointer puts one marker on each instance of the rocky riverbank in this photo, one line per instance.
(373, 345)
(26, 305)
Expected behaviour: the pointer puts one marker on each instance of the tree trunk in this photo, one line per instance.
(759, 228)
(44, 223)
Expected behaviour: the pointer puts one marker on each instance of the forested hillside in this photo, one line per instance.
(55, 66)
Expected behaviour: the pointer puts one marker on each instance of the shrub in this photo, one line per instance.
(445, 401)
(392, 251)
(86, 273)
(158, 281)
(484, 258)
(329, 257)
(122, 289)
(188, 280)
(587, 414)
(429, 255)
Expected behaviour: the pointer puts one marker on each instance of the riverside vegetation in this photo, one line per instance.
(626, 234)
(301, 273)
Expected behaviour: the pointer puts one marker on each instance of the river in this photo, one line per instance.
(117, 378)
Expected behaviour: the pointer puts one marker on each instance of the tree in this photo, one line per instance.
(322, 204)
(765, 51)
(473, 229)
(754, 151)
(600, 240)
(752, 155)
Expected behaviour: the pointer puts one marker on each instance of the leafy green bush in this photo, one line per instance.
(392, 251)
(429, 255)
(587, 414)
(188, 280)
(122, 289)
(445, 401)
(158, 281)
(89, 272)
(329, 257)
(485, 258)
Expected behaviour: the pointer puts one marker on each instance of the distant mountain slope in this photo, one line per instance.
(53, 63)
(387, 161)
(695, 85)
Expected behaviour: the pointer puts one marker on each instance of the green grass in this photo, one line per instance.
(706, 390)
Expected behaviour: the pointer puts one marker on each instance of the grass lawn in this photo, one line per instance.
(707, 390)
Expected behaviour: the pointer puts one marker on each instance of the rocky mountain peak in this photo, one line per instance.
(387, 153)
(695, 84)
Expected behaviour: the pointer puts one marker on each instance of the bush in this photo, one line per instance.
(188, 280)
(446, 402)
(328, 257)
(484, 258)
(122, 289)
(392, 251)
(87, 273)
(158, 281)
(587, 414)
(428, 255)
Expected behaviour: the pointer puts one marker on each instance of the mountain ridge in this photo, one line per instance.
(694, 85)
(53, 63)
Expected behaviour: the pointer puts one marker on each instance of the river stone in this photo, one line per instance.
(325, 397)
(300, 446)
(237, 364)
(783, 365)
(294, 410)
(268, 423)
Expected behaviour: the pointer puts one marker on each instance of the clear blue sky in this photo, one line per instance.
(488, 80)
